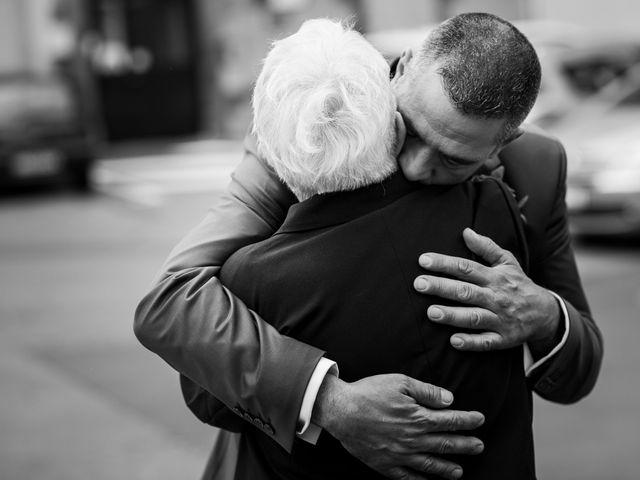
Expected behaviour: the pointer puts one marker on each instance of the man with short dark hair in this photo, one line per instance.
(207, 334)
(450, 135)
(464, 95)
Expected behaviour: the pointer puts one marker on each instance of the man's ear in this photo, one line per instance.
(400, 134)
(404, 60)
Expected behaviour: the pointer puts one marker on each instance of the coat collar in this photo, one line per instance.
(335, 208)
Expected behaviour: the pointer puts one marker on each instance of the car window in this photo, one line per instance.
(590, 69)
(589, 77)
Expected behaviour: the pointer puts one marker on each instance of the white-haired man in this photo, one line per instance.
(325, 119)
(321, 99)
(206, 333)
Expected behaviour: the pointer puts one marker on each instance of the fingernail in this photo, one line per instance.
(446, 397)
(478, 447)
(457, 473)
(420, 284)
(425, 261)
(435, 313)
(457, 342)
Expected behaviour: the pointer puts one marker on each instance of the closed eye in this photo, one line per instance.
(454, 162)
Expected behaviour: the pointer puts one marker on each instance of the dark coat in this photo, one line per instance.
(338, 275)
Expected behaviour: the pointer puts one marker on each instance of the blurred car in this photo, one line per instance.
(590, 99)
(42, 136)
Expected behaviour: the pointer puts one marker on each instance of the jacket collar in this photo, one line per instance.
(335, 208)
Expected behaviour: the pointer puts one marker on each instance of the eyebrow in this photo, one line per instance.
(411, 128)
(450, 158)
(463, 161)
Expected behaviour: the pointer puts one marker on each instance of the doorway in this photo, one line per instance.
(145, 63)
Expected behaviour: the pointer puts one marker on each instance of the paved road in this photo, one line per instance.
(80, 399)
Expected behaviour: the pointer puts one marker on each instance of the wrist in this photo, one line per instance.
(329, 403)
(550, 331)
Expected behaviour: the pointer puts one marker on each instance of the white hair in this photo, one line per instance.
(323, 110)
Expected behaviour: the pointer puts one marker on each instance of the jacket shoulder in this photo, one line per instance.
(534, 151)
(536, 167)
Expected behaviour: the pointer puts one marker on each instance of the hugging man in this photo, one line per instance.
(210, 336)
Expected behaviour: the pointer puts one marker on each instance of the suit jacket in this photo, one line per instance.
(220, 346)
(314, 280)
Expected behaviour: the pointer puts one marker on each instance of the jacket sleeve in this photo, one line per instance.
(572, 372)
(207, 334)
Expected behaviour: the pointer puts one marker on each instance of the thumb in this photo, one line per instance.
(485, 248)
(428, 395)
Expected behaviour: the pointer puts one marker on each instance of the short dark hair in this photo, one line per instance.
(488, 67)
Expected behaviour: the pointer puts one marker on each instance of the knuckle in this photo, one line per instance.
(502, 300)
(404, 382)
(400, 447)
(474, 318)
(509, 257)
(464, 291)
(427, 464)
(428, 423)
(487, 244)
(446, 446)
(508, 282)
(431, 391)
(486, 343)
(411, 443)
(453, 421)
(464, 266)
(486, 240)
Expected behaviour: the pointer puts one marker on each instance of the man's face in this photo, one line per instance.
(443, 146)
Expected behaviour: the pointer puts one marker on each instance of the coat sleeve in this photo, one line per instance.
(540, 169)
(207, 334)
(572, 372)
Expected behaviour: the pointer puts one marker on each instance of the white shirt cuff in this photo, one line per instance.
(309, 432)
(529, 366)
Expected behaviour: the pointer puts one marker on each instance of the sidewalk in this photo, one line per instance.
(56, 427)
(80, 398)
(147, 173)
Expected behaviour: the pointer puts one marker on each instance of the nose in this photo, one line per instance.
(414, 161)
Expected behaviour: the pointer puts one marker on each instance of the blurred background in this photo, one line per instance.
(120, 121)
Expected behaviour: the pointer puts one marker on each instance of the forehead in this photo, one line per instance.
(428, 111)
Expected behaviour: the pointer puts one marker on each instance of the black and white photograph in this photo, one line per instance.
(319, 239)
